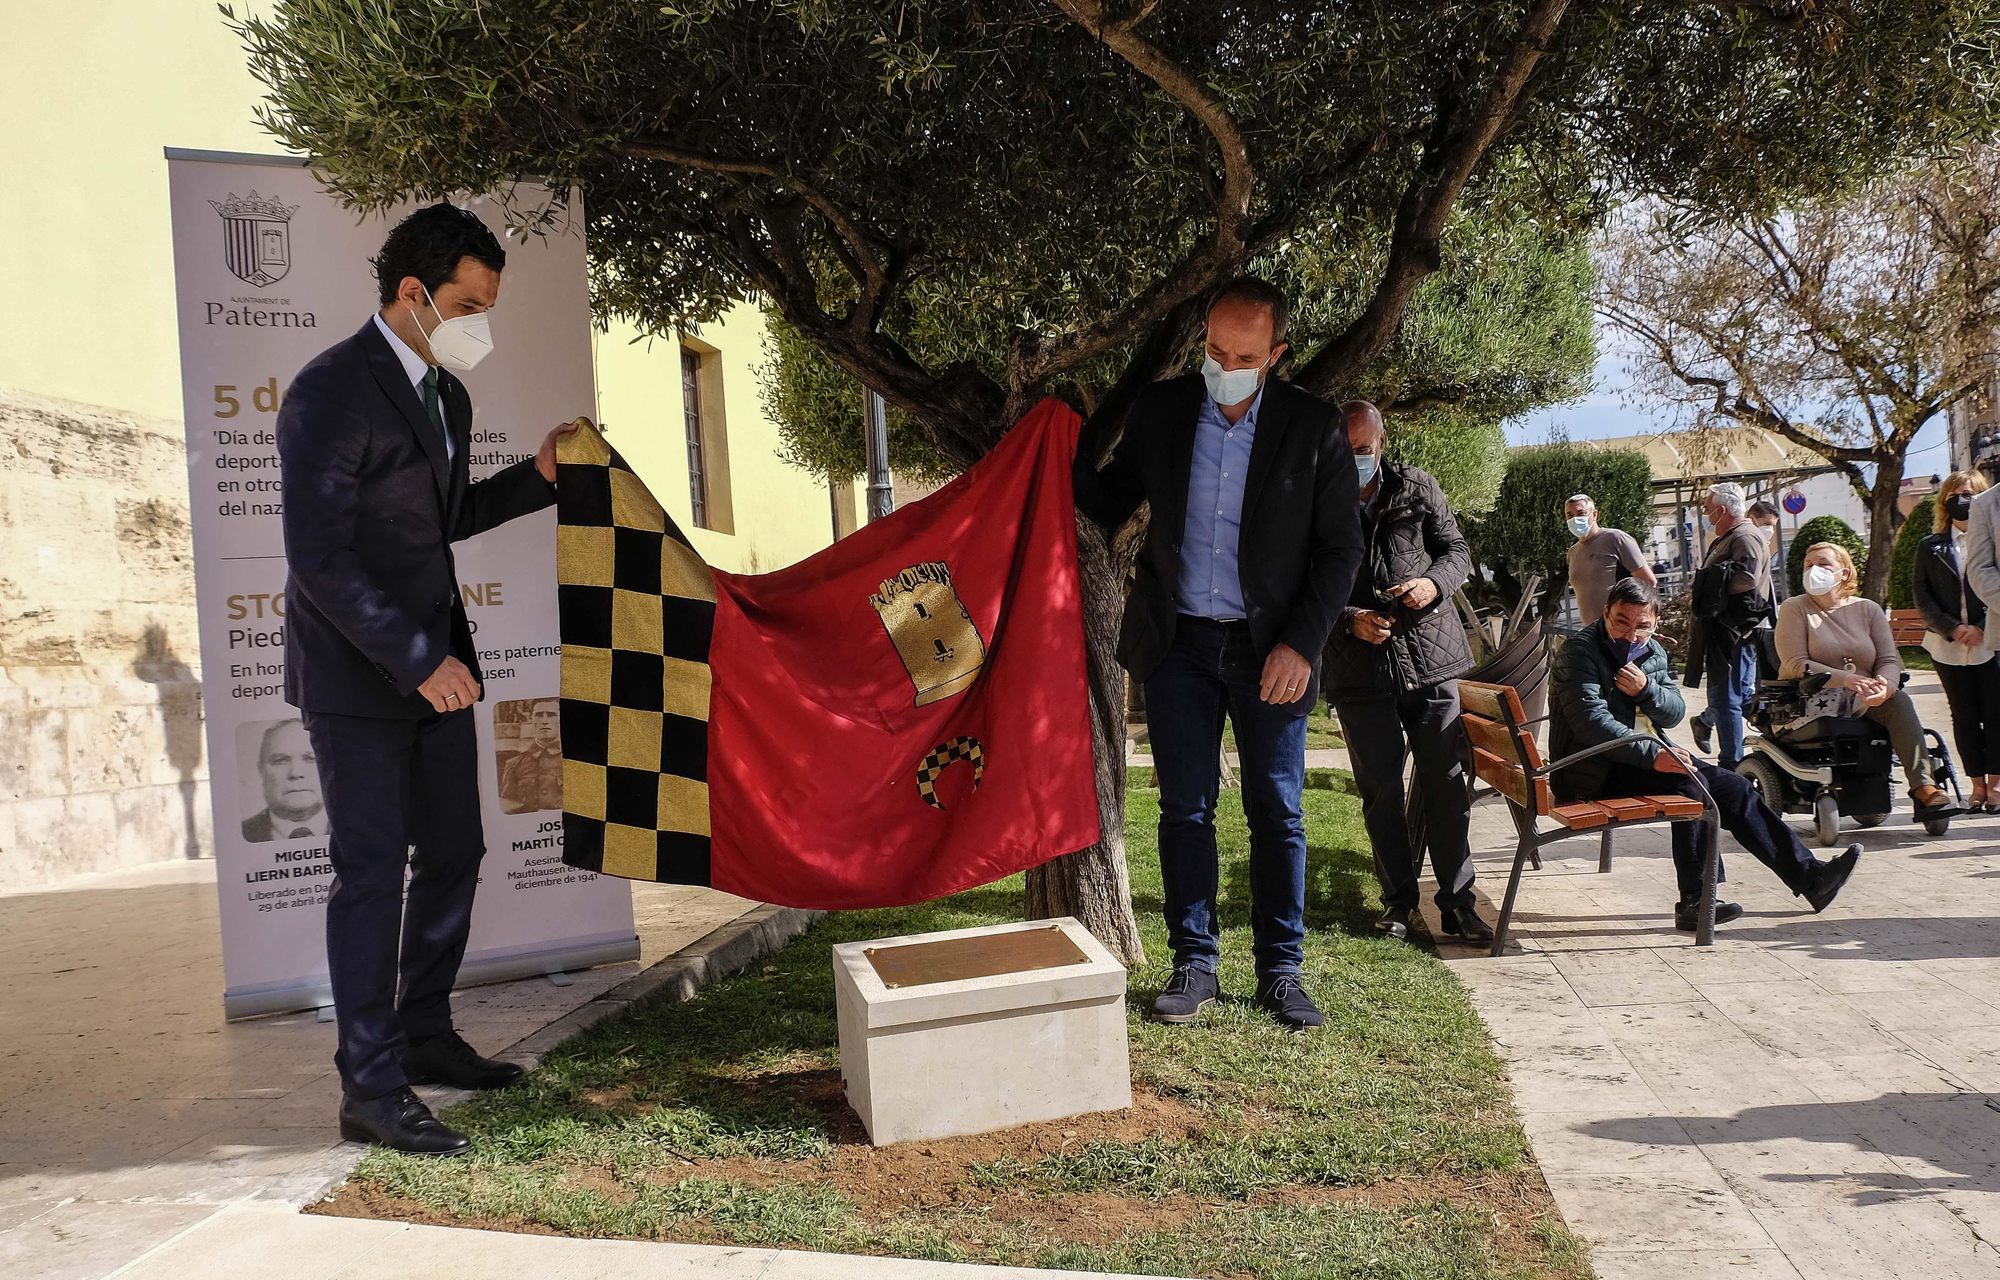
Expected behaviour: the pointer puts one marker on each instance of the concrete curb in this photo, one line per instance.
(736, 945)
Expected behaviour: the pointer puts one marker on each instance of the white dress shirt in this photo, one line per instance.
(413, 364)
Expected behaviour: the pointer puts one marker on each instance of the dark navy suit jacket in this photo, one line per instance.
(1300, 544)
(372, 507)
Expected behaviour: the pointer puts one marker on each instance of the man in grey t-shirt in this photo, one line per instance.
(1598, 555)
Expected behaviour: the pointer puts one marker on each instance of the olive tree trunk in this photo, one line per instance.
(1093, 884)
(1884, 519)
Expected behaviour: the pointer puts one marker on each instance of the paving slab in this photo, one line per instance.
(130, 1110)
(1817, 1096)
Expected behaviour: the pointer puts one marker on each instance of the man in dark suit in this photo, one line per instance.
(1249, 557)
(373, 438)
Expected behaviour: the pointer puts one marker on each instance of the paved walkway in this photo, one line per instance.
(142, 1136)
(1816, 1096)
(129, 1110)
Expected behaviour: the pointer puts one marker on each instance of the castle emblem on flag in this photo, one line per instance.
(931, 630)
(256, 237)
(942, 757)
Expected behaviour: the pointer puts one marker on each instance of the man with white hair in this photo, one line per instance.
(1731, 604)
(1599, 558)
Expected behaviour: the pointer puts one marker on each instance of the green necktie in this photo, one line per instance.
(431, 408)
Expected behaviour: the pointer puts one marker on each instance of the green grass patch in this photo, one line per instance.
(1322, 734)
(1384, 1145)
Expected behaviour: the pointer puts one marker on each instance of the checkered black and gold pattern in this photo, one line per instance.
(943, 757)
(637, 612)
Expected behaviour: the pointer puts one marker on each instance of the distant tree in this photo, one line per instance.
(1845, 325)
(1525, 534)
(971, 206)
(1903, 560)
(1816, 530)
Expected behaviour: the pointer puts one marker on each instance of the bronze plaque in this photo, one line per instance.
(918, 964)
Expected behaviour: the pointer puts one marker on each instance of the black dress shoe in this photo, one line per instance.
(1284, 997)
(1395, 922)
(1188, 992)
(1464, 924)
(1704, 734)
(448, 1059)
(401, 1122)
(1685, 913)
(1828, 877)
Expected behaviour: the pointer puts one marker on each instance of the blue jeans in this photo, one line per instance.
(1732, 683)
(1210, 671)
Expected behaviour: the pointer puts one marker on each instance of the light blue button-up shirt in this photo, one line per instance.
(1209, 587)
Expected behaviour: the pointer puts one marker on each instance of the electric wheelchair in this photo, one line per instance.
(1804, 757)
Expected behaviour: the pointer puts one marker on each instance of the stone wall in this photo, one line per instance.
(101, 757)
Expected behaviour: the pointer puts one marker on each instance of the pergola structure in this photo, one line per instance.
(1686, 463)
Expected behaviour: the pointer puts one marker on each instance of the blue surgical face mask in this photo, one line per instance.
(1638, 647)
(1578, 526)
(1229, 386)
(1364, 467)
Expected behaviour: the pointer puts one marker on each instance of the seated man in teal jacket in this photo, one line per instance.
(1605, 675)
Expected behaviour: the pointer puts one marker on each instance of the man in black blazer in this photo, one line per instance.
(1249, 557)
(373, 440)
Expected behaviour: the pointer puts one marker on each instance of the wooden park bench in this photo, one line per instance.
(1907, 626)
(1505, 757)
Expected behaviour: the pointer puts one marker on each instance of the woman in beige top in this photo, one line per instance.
(1831, 629)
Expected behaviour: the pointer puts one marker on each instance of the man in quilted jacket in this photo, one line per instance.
(1391, 673)
(1605, 675)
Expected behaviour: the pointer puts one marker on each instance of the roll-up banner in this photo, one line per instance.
(270, 270)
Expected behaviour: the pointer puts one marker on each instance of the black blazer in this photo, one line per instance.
(1940, 588)
(1300, 544)
(371, 509)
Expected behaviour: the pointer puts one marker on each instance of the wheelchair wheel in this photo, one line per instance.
(1765, 777)
(1826, 820)
(1870, 819)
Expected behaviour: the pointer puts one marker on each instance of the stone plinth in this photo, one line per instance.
(927, 1053)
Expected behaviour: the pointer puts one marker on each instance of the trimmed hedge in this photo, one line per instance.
(1903, 556)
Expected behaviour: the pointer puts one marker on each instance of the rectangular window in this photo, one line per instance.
(691, 404)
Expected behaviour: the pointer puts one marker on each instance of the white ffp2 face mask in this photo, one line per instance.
(1821, 580)
(460, 342)
(1229, 386)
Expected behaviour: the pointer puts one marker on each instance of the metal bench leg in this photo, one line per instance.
(1704, 920)
(1535, 859)
(1521, 856)
(1604, 852)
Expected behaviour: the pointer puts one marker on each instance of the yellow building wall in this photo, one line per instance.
(93, 91)
(782, 514)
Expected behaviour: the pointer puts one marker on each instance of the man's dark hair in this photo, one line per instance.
(1258, 293)
(1761, 509)
(429, 244)
(1630, 591)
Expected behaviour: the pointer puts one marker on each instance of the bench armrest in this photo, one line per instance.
(1588, 752)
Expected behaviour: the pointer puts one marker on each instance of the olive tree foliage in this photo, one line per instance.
(1525, 533)
(1504, 327)
(968, 206)
(1843, 325)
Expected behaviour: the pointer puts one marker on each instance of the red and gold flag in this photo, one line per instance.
(896, 718)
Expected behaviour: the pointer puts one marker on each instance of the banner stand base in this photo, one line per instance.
(477, 970)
